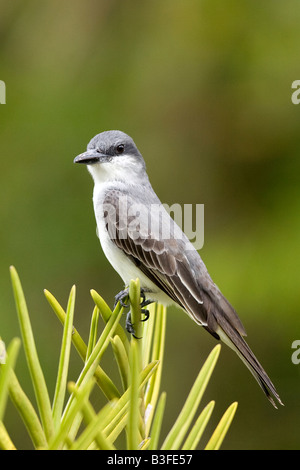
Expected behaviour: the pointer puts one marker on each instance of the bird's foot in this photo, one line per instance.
(122, 297)
(146, 313)
(129, 324)
(130, 327)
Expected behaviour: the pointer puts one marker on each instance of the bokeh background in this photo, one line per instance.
(204, 88)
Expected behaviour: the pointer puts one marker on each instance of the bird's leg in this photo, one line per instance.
(144, 310)
(121, 296)
(129, 326)
(144, 303)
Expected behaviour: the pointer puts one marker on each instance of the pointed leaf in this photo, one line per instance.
(198, 428)
(179, 429)
(62, 375)
(122, 359)
(37, 376)
(27, 412)
(221, 430)
(157, 422)
(102, 379)
(93, 332)
(6, 369)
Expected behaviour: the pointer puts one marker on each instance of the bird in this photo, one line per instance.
(131, 225)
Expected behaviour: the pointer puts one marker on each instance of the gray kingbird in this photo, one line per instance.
(131, 225)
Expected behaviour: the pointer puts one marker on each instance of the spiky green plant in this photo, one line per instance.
(137, 409)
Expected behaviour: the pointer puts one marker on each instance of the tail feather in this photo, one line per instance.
(235, 341)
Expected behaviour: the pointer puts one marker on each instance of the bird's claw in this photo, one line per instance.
(122, 297)
(129, 326)
(146, 313)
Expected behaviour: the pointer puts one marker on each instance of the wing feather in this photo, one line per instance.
(162, 260)
(178, 272)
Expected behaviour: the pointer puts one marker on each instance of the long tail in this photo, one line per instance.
(235, 341)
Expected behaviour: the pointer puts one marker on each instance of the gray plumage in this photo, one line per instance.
(169, 267)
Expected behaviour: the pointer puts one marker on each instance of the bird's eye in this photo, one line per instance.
(120, 148)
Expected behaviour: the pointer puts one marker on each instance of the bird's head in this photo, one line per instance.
(113, 155)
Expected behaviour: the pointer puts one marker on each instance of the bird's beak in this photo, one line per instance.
(90, 157)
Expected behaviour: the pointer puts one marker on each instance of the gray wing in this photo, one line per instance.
(177, 269)
(167, 258)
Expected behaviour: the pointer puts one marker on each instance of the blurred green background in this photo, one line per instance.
(204, 88)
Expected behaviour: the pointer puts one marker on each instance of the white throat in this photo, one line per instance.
(125, 168)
